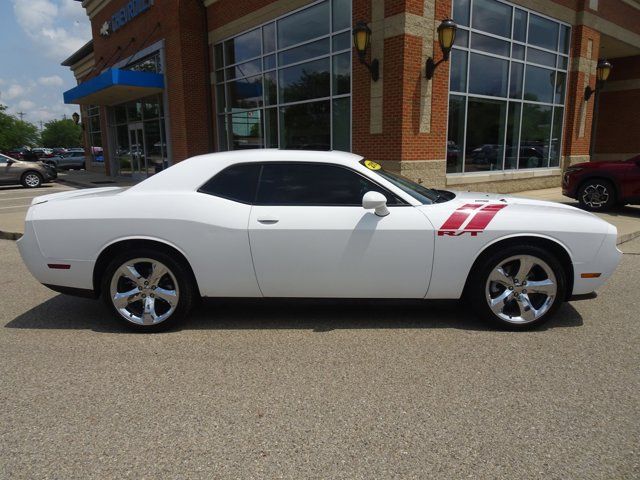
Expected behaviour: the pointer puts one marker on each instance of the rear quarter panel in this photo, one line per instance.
(210, 232)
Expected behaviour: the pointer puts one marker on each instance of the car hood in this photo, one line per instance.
(592, 165)
(472, 197)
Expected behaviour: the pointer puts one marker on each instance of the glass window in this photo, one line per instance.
(540, 56)
(458, 76)
(245, 93)
(305, 81)
(564, 39)
(342, 73)
(517, 51)
(534, 143)
(462, 38)
(341, 124)
(304, 25)
(461, 10)
(513, 136)
(538, 84)
(519, 25)
(492, 16)
(455, 137)
(488, 75)
(243, 47)
(306, 126)
(488, 44)
(515, 84)
(485, 134)
(314, 184)
(561, 80)
(291, 60)
(308, 50)
(556, 137)
(543, 32)
(341, 11)
(237, 183)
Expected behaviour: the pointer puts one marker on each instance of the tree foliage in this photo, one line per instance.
(61, 133)
(15, 133)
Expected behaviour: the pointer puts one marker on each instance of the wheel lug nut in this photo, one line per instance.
(146, 283)
(524, 291)
(144, 296)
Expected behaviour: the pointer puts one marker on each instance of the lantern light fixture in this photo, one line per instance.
(361, 42)
(446, 37)
(75, 117)
(602, 74)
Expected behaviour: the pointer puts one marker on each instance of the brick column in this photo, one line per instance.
(585, 45)
(401, 119)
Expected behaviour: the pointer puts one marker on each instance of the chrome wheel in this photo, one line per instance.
(32, 180)
(521, 289)
(595, 195)
(144, 291)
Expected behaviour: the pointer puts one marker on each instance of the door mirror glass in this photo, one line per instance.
(377, 202)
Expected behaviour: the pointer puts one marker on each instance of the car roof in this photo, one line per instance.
(193, 172)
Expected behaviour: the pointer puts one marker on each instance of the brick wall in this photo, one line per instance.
(182, 25)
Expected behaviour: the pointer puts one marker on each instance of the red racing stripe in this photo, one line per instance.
(481, 219)
(458, 217)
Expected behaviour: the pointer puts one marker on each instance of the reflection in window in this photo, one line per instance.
(510, 113)
(287, 83)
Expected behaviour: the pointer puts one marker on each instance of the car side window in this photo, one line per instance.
(237, 183)
(315, 184)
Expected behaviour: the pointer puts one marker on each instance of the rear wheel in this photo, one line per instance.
(148, 290)
(518, 288)
(597, 195)
(31, 180)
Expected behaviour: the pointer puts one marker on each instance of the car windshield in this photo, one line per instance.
(424, 195)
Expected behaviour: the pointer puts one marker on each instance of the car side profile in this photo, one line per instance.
(73, 160)
(27, 174)
(600, 186)
(277, 223)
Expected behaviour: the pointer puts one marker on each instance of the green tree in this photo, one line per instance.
(15, 133)
(61, 133)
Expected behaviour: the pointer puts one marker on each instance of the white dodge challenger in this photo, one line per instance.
(277, 223)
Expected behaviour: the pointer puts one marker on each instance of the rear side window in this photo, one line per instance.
(315, 184)
(237, 183)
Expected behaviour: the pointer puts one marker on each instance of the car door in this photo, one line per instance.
(311, 237)
(9, 170)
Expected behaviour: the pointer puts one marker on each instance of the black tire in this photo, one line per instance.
(597, 195)
(186, 287)
(31, 179)
(478, 287)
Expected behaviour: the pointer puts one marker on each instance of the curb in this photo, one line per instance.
(628, 237)
(9, 235)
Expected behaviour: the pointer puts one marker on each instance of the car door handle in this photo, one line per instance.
(268, 220)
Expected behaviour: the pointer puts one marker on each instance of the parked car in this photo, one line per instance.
(68, 161)
(29, 174)
(42, 152)
(58, 151)
(278, 223)
(17, 153)
(599, 186)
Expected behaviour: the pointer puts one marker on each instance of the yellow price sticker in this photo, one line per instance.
(372, 165)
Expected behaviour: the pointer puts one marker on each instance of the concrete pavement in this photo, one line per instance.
(292, 390)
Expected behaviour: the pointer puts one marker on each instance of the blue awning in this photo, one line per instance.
(115, 86)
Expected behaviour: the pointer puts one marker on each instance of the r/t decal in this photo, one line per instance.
(480, 216)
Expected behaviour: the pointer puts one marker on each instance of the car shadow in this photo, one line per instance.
(65, 312)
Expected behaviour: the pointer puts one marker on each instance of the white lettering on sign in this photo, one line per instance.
(127, 13)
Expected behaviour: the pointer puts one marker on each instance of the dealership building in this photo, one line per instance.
(523, 91)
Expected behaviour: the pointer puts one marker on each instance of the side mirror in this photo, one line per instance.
(375, 201)
(10, 161)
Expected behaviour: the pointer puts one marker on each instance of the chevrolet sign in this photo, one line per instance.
(128, 12)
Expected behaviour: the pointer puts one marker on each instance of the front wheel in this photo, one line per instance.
(31, 180)
(149, 290)
(597, 195)
(518, 288)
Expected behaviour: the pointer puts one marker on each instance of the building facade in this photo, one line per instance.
(165, 80)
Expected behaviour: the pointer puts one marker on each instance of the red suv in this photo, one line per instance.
(599, 186)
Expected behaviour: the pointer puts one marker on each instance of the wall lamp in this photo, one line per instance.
(76, 119)
(446, 37)
(602, 73)
(361, 41)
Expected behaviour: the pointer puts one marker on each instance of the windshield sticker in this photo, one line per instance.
(372, 165)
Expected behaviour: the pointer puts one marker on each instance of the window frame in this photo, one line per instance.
(388, 193)
(556, 71)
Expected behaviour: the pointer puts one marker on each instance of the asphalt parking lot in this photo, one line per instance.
(250, 389)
